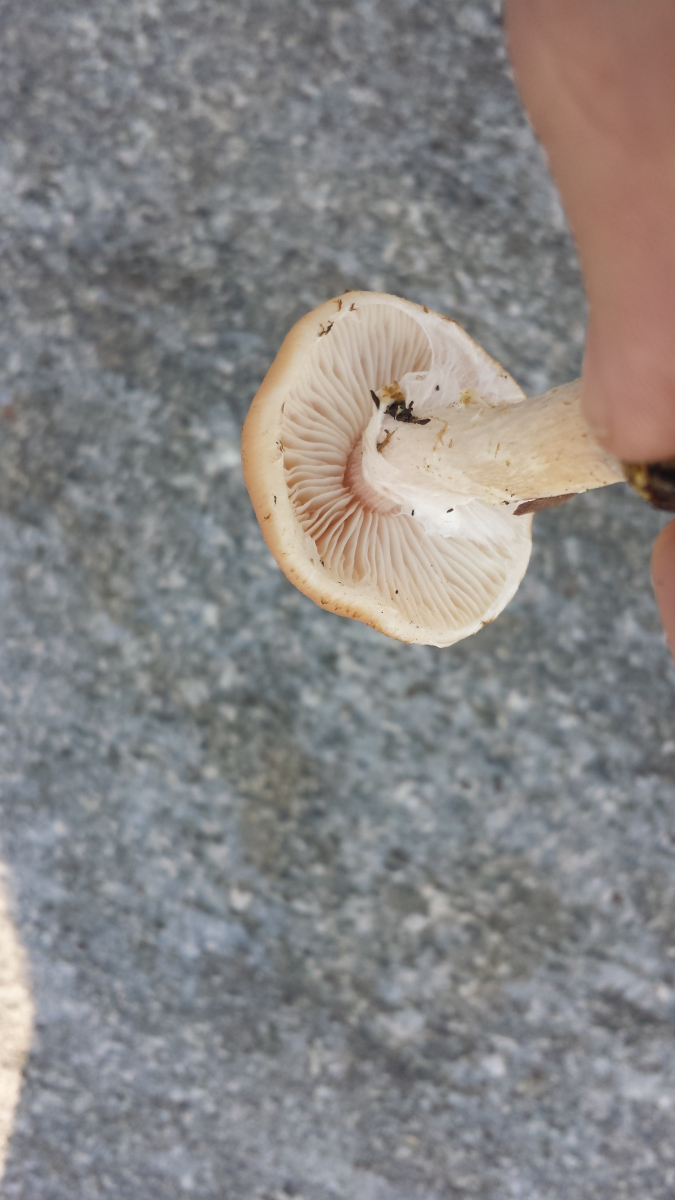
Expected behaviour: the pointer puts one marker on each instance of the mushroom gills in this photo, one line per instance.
(434, 568)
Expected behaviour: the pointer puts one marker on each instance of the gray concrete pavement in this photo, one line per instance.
(309, 913)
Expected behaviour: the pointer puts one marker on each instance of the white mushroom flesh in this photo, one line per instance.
(503, 454)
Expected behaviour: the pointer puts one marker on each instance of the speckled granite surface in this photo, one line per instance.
(310, 913)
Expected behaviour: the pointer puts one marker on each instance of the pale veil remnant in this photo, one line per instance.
(16, 1021)
(384, 455)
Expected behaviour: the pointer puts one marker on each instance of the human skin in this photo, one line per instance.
(597, 78)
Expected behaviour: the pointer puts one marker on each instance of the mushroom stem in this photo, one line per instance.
(502, 453)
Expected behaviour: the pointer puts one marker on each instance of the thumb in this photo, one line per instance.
(629, 365)
(598, 80)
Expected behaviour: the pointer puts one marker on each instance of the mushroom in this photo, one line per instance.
(394, 467)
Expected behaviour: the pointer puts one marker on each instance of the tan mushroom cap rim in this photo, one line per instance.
(411, 573)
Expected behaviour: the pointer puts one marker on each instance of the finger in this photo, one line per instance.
(598, 80)
(663, 576)
(629, 364)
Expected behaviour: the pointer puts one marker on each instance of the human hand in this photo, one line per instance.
(598, 80)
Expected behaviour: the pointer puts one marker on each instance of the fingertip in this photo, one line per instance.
(628, 393)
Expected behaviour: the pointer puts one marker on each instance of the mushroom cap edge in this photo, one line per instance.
(264, 475)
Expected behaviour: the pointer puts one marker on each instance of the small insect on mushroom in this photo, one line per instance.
(401, 411)
(406, 466)
(397, 407)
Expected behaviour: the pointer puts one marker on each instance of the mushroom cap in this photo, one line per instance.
(420, 579)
